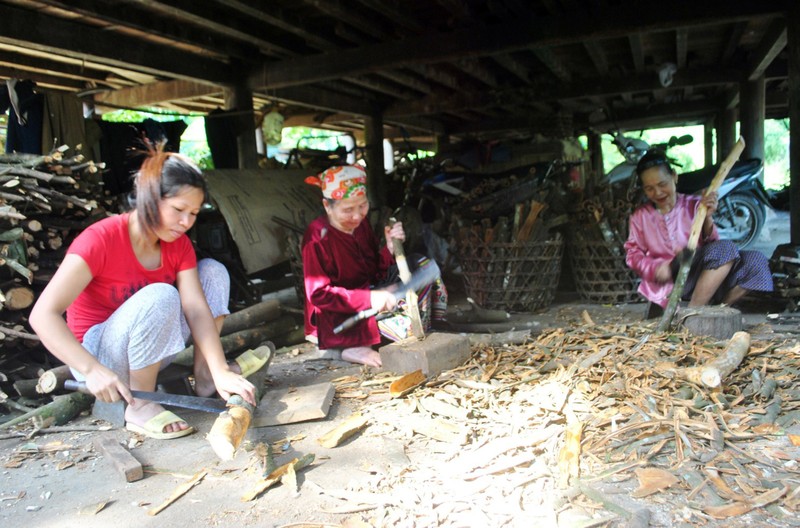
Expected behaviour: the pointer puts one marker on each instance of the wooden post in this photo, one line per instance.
(726, 132)
(376, 174)
(595, 141)
(240, 98)
(752, 110)
(793, 47)
(708, 142)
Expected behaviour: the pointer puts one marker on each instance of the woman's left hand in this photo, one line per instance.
(394, 232)
(711, 201)
(229, 383)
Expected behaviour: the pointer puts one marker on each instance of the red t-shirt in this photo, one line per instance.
(116, 272)
(338, 269)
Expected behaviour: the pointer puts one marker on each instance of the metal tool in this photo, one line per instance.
(212, 405)
(419, 279)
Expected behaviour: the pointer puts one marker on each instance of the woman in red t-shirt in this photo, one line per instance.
(133, 291)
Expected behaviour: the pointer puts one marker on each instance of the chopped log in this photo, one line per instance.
(720, 322)
(26, 388)
(53, 379)
(353, 424)
(694, 237)
(244, 339)
(712, 374)
(62, 409)
(252, 316)
(18, 298)
(274, 477)
(231, 425)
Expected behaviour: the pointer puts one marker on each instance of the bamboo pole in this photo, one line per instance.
(712, 374)
(694, 237)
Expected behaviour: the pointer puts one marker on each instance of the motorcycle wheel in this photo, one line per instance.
(740, 218)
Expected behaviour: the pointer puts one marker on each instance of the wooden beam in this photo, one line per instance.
(218, 21)
(513, 66)
(732, 42)
(793, 44)
(553, 63)
(507, 37)
(597, 55)
(476, 70)
(43, 79)
(152, 93)
(771, 45)
(595, 87)
(681, 46)
(352, 17)
(637, 51)
(31, 29)
(142, 22)
(51, 67)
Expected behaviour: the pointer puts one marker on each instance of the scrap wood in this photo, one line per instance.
(352, 425)
(712, 373)
(285, 471)
(740, 508)
(179, 492)
(569, 456)
(406, 383)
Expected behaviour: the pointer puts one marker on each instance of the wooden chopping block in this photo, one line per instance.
(720, 322)
(438, 352)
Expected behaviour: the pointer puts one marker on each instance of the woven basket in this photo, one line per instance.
(515, 277)
(600, 272)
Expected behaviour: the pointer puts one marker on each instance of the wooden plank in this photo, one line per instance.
(125, 462)
(294, 404)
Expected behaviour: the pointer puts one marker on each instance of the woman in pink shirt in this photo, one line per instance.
(659, 230)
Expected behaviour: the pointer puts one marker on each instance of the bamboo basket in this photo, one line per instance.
(600, 272)
(512, 276)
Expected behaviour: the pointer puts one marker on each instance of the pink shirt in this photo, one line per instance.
(117, 274)
(656, 238)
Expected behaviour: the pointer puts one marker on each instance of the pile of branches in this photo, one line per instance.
(45, 201)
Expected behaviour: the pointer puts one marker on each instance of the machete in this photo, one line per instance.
(419, 279)
(212, 405)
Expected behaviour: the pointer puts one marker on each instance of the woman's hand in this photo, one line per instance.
(663, 273)
(382, 300)
(106, 385)
(395, 231)
(229, 383)
(711, 200)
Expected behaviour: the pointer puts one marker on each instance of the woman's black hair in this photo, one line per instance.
(654, 158)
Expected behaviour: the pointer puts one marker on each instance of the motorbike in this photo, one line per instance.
(742, 209)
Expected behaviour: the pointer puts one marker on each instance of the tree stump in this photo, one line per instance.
(720, 322)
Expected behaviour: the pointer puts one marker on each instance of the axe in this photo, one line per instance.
(419, 279)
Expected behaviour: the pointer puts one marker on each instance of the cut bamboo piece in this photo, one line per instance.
(412, 302)
(231, 425)
(406, 384)
(53, 379)
(353, 424)
(275, 477)
(569, 457)
(712, 374)
(179, 492)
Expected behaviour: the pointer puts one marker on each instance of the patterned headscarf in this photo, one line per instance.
(341, 182)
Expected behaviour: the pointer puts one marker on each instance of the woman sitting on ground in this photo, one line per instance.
(133, 292)
(659, 231)
(342, 263)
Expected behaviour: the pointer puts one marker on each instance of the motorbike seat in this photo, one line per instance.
(691, 182)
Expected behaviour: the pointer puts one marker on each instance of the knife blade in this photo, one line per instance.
(211, 405)
(419, 279)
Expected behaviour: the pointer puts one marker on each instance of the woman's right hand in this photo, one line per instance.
(382, 300)
(106, 385)
(663, 273)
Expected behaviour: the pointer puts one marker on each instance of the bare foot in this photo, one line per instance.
(204, 383)
(362, 355)
(143, 410)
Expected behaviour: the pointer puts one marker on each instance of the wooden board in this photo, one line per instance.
(123, 461)
(295, 404)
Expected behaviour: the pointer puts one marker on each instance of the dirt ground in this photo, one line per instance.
(387, 475)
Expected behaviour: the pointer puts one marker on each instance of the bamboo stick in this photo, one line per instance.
(694, 237)
(712, 374)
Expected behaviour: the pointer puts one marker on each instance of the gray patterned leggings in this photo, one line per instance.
(150, 326)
